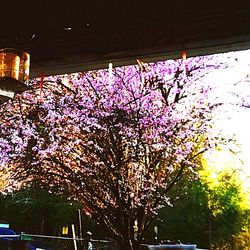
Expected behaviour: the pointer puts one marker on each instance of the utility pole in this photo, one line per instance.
(80, 223)
(74, 236)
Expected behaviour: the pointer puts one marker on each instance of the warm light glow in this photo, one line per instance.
(184, 55)
(65, 230)
(231, 119)
(184, 58)
(14, 64)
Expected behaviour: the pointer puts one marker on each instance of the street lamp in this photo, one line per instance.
(14, 73)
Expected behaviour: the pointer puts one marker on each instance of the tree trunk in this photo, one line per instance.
(126, 244)
(42, 226)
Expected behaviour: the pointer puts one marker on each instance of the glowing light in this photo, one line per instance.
(184, 58)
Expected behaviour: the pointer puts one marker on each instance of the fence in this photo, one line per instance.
(60, 243)
(42, 242)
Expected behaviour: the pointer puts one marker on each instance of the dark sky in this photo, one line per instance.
(49, 19)
(17, 15)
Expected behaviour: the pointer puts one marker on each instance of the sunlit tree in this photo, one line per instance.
(214, 206)
(115, 140)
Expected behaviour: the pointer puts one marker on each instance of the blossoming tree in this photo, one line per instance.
(116, 140)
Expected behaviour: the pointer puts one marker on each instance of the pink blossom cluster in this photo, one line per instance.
(110, 139)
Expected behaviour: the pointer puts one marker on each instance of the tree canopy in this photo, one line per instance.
(116, 140)
(214, 206)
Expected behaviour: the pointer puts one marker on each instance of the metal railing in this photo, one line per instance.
(61, 243)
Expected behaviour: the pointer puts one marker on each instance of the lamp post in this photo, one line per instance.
(14, 73)
(80, 223)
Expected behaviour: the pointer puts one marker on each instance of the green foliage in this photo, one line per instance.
(211, 211)
(34, 210)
